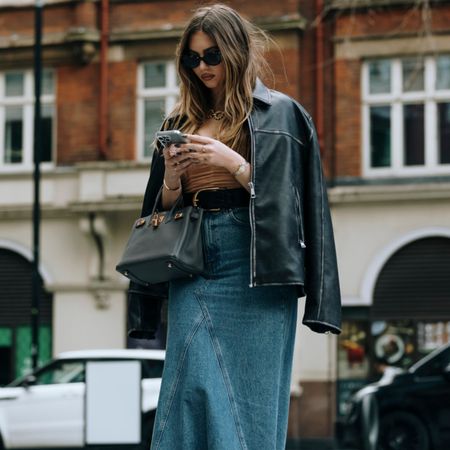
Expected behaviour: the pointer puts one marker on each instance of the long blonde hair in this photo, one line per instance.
(242, 46)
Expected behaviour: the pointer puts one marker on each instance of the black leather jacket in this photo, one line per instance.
(292, 236)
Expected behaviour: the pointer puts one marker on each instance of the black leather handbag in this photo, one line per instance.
(164, 245)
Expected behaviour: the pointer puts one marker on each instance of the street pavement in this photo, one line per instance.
(314, 444)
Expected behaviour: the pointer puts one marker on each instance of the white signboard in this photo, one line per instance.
(113, 402)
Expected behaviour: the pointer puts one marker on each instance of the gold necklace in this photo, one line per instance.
(216, 115)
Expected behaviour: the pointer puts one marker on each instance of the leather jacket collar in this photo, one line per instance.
(262, 93)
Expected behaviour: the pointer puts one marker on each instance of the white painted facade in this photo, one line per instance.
(370, 224)
(87, 312)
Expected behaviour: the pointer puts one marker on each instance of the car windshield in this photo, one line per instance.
(61, 372)
(433, 364)
(73, 371)
(56, 372)
(19, 381)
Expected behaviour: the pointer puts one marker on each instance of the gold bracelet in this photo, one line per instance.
(170, 189)
(241, 169)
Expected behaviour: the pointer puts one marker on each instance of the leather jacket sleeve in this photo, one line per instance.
(322, 289)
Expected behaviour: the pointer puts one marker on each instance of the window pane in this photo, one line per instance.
(443, 72)
(47, 133)
(154, 75)
(154, 115)
(13, 134)
(413, 74)
(444, 132)
(380, 136)
(390, 339)
(353, 357)
(414, 134)
(47, 82)
(14, 84)
(380, 76)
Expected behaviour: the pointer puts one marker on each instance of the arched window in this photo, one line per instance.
(415, 282)
(15, 317)
(410, 315)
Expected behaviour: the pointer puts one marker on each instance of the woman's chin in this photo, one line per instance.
(210, 84)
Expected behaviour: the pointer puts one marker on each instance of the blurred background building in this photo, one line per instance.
(375, 75)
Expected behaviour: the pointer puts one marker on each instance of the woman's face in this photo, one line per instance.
(213, 77)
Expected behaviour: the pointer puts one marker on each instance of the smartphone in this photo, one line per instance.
(169, 137)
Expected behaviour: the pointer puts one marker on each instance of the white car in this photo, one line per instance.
(47, 408)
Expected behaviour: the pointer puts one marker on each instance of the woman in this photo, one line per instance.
(252, 162)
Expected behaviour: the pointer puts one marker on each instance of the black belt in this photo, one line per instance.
(215, 199)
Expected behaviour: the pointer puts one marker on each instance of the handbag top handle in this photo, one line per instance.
(173, 210)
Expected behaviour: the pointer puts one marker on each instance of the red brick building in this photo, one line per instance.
(391, 176)
(375, 75)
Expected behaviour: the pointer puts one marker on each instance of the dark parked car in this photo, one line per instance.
(404, 410)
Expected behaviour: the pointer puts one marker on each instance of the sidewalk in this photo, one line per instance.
(313, 444)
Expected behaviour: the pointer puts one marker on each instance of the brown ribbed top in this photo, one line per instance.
(201, 176)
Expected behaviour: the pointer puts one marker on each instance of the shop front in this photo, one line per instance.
(408, 318)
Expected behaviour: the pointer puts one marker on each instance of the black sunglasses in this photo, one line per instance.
(211, 57)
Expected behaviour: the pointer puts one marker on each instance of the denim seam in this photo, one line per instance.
(226, 378)
(282, 357)
(287, 334)
(177, 380)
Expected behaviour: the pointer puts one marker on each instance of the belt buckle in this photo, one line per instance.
(195, 199)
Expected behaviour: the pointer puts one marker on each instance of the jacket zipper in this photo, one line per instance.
(300, 218)
(252, 206)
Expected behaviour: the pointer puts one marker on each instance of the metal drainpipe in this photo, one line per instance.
(319, 74)
(100, 247)
(103, 100)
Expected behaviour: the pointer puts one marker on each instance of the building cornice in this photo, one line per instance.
(5, 4)
(390, 193)
(131, 204)
(22, 4)
(354, 5)
(72, 210)
(104, 186)
(359, 47)
(168, 31)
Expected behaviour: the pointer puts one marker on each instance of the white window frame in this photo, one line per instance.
(27, 102)
(430, 97)
(169, 93)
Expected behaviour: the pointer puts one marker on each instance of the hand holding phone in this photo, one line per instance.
(169, 137)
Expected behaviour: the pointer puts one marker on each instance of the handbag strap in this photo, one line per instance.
(176, 206)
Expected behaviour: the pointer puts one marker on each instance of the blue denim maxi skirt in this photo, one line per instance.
(226, 380)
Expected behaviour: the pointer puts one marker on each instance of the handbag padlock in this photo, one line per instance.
(157, 219)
